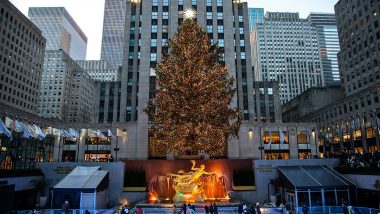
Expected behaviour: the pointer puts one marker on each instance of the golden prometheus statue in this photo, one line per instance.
(188, 185)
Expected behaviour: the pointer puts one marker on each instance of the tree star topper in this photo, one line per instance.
(189, 13)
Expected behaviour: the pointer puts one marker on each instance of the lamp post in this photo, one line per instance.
(117, 141)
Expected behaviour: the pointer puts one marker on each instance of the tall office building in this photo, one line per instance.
(255, 15)
(99, 70)
(328, 43)
(359, 37)
(285, 49)
(149, 25)
(67, 92)
(350, 120)
(113, 32)
(60, 30)
(22, 50)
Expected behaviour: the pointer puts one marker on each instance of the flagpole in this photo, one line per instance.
(279, 136)
(78, 142)
(117, 141)
(298, 146)
(261, 144)
(59, 143)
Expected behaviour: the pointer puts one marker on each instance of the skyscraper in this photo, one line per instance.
(328, 43)
(255, 15)
(113, 32)
(149, 25)
(285, 49)
(60, 30)
(67, 91)
(22, 50)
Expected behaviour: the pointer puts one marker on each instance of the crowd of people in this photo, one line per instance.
(361, 160)
(243, 208)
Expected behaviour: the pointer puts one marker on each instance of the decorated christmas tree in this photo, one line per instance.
(191, 110)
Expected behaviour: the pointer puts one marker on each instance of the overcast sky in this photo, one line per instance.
(89, 13)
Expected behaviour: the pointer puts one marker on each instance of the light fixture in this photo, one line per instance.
(124, 131)
(189, 13)
(250, 133)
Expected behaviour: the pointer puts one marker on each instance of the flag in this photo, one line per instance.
(10, 123)
(282, 137)
(4, 130)
(56, 132)
(64, 133)
(101, 135)
(270, 137)
(32, 130)
(92, 133)
(40, 135)
(352, 124)
(122, 134)
(26, 132)
(83, 132)
(308, 132)
(73, 133)
(48, 130)
(110, 134)
(18, 127)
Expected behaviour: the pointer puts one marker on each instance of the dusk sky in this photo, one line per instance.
(89, 13)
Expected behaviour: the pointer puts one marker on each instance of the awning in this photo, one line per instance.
(314, 177)
(85, 178)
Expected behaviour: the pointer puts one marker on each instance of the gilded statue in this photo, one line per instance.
(188, 186)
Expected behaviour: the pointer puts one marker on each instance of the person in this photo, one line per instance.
(287, 207)
(252, 210)
(258, 208)
(188, 209)
(207, 210)
(240, 208)
(245, 208)
(174, 210)
(350, 210)
(211, 209)
(279, 156)
(110, 159)
(86, 212)
(215, 209)
(139, 210)
(65, 207)
(344, 207)
(305, 209)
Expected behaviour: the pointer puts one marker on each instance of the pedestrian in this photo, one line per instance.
(139, 210)
(207, 210)
(86, 212)
(252, 210)
(211, 209)
(215, 209)
(65, 207)
(305, 209)
(345, 208)
(188, 209)
(258, 208)
(174, 210)
(240, 208)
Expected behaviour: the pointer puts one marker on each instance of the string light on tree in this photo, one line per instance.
(191, 110)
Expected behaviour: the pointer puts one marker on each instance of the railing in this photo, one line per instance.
(221, 210)
(71, 211)
(336, 210)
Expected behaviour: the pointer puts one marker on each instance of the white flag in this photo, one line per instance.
(282, 137)
(123, 134)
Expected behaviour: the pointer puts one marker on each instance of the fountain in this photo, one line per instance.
(196, 185)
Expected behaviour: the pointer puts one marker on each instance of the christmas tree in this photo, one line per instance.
(191, 110)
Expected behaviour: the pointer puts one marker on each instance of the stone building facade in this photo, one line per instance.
(60, 30)
(285, 49)
(21, 59)
(67, 91)
(351, 122)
